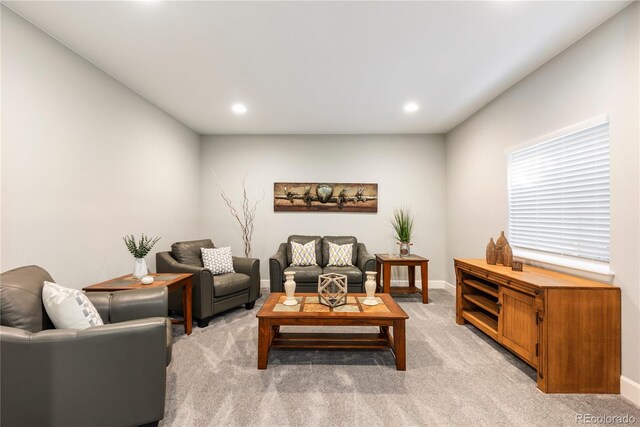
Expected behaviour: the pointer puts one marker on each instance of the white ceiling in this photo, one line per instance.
(318, 67)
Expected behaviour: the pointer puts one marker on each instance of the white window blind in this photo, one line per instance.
(559, 194)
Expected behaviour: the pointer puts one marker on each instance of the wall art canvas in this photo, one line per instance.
(327, 197)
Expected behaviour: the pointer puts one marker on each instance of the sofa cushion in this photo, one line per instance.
(230, 283)
(69, 308)
(340, 255)
(339, 240)
(189, 252)
(353, 273)
(303, 240)
(303, 255)
(21, 299)
(218, 260)
(308, 274)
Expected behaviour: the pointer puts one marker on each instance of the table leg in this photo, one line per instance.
(399, 345)
(384, 331)
(412, 275)
(387, 278)
(378, 273)
(187, 306)
(424, 273)
(264, 342)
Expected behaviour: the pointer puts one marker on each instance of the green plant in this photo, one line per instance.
(402, 223)
(142, 247)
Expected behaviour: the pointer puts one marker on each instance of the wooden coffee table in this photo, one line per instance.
(172, 281)
(386, 261)
(309, 312)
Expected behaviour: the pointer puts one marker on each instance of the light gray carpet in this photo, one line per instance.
(455, 376)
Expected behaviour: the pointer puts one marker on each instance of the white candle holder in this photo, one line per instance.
(290, 288)
(370, 289)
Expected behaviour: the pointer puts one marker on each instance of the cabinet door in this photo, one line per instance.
(517, 329)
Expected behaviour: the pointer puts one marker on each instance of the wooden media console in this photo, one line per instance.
(566, 327)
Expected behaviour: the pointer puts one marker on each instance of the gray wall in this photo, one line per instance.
(409, 170)
(597, 75)
(85, 161)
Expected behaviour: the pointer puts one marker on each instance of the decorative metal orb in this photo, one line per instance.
(324, 192)
(332, 289)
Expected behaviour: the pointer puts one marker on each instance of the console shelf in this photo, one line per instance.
(482, 286)
(484, 303)
(566, 327)
(482, 321)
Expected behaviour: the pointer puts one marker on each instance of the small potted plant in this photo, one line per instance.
(402, 223)
(139, 250)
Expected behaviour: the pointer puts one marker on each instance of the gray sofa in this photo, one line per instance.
(108, 375)
(211, 294)
(306, 278)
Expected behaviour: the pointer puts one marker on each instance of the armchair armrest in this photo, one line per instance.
(366, 261)
(202, 282)
(129, 305)
(250, 267)
(124, 361)
(277, 264)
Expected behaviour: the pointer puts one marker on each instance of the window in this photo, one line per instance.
(559, 194)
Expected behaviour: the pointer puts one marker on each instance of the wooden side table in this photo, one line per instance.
(386, 261)
(170, 280)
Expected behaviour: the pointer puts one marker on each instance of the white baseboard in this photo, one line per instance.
(630, 390)
(265, 285)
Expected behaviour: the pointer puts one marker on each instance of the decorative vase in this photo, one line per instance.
(140, 268)
(491, 253)
(370, 289)
(508, 256)
(405, 248)
(500, 244)
(290, 288)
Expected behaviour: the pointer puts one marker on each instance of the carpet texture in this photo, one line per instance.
(455, 376)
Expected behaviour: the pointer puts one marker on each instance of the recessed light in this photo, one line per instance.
(411, 107)
(239, 108)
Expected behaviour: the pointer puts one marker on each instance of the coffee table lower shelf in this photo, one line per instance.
(331, 341)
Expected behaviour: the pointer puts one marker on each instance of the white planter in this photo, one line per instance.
(140, 268)
(370, 289)
(290, 288)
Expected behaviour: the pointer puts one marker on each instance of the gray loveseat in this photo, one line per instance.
(108, 375)
(307, 277)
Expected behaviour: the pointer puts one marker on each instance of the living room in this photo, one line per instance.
(123, 118)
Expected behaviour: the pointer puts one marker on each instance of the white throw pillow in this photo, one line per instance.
(218, 260)
(69, 308)
(340, 255)
(303, 255)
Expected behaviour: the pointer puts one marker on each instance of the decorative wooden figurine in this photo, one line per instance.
(516, 266)
(500, 244)
(492, 256)
(508, 256)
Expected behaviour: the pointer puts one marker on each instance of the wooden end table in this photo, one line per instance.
(386, 261)
(170, 280)
(309, 312)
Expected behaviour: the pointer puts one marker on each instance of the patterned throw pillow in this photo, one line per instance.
(303, 255)
(218, 260)
(69, 308)
(340, 255)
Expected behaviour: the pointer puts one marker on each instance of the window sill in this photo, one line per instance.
(589, 269)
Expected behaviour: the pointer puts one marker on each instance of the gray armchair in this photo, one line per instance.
(212, 294)
(307, 277)
(109, 375)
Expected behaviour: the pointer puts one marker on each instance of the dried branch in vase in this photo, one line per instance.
(246, 222)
